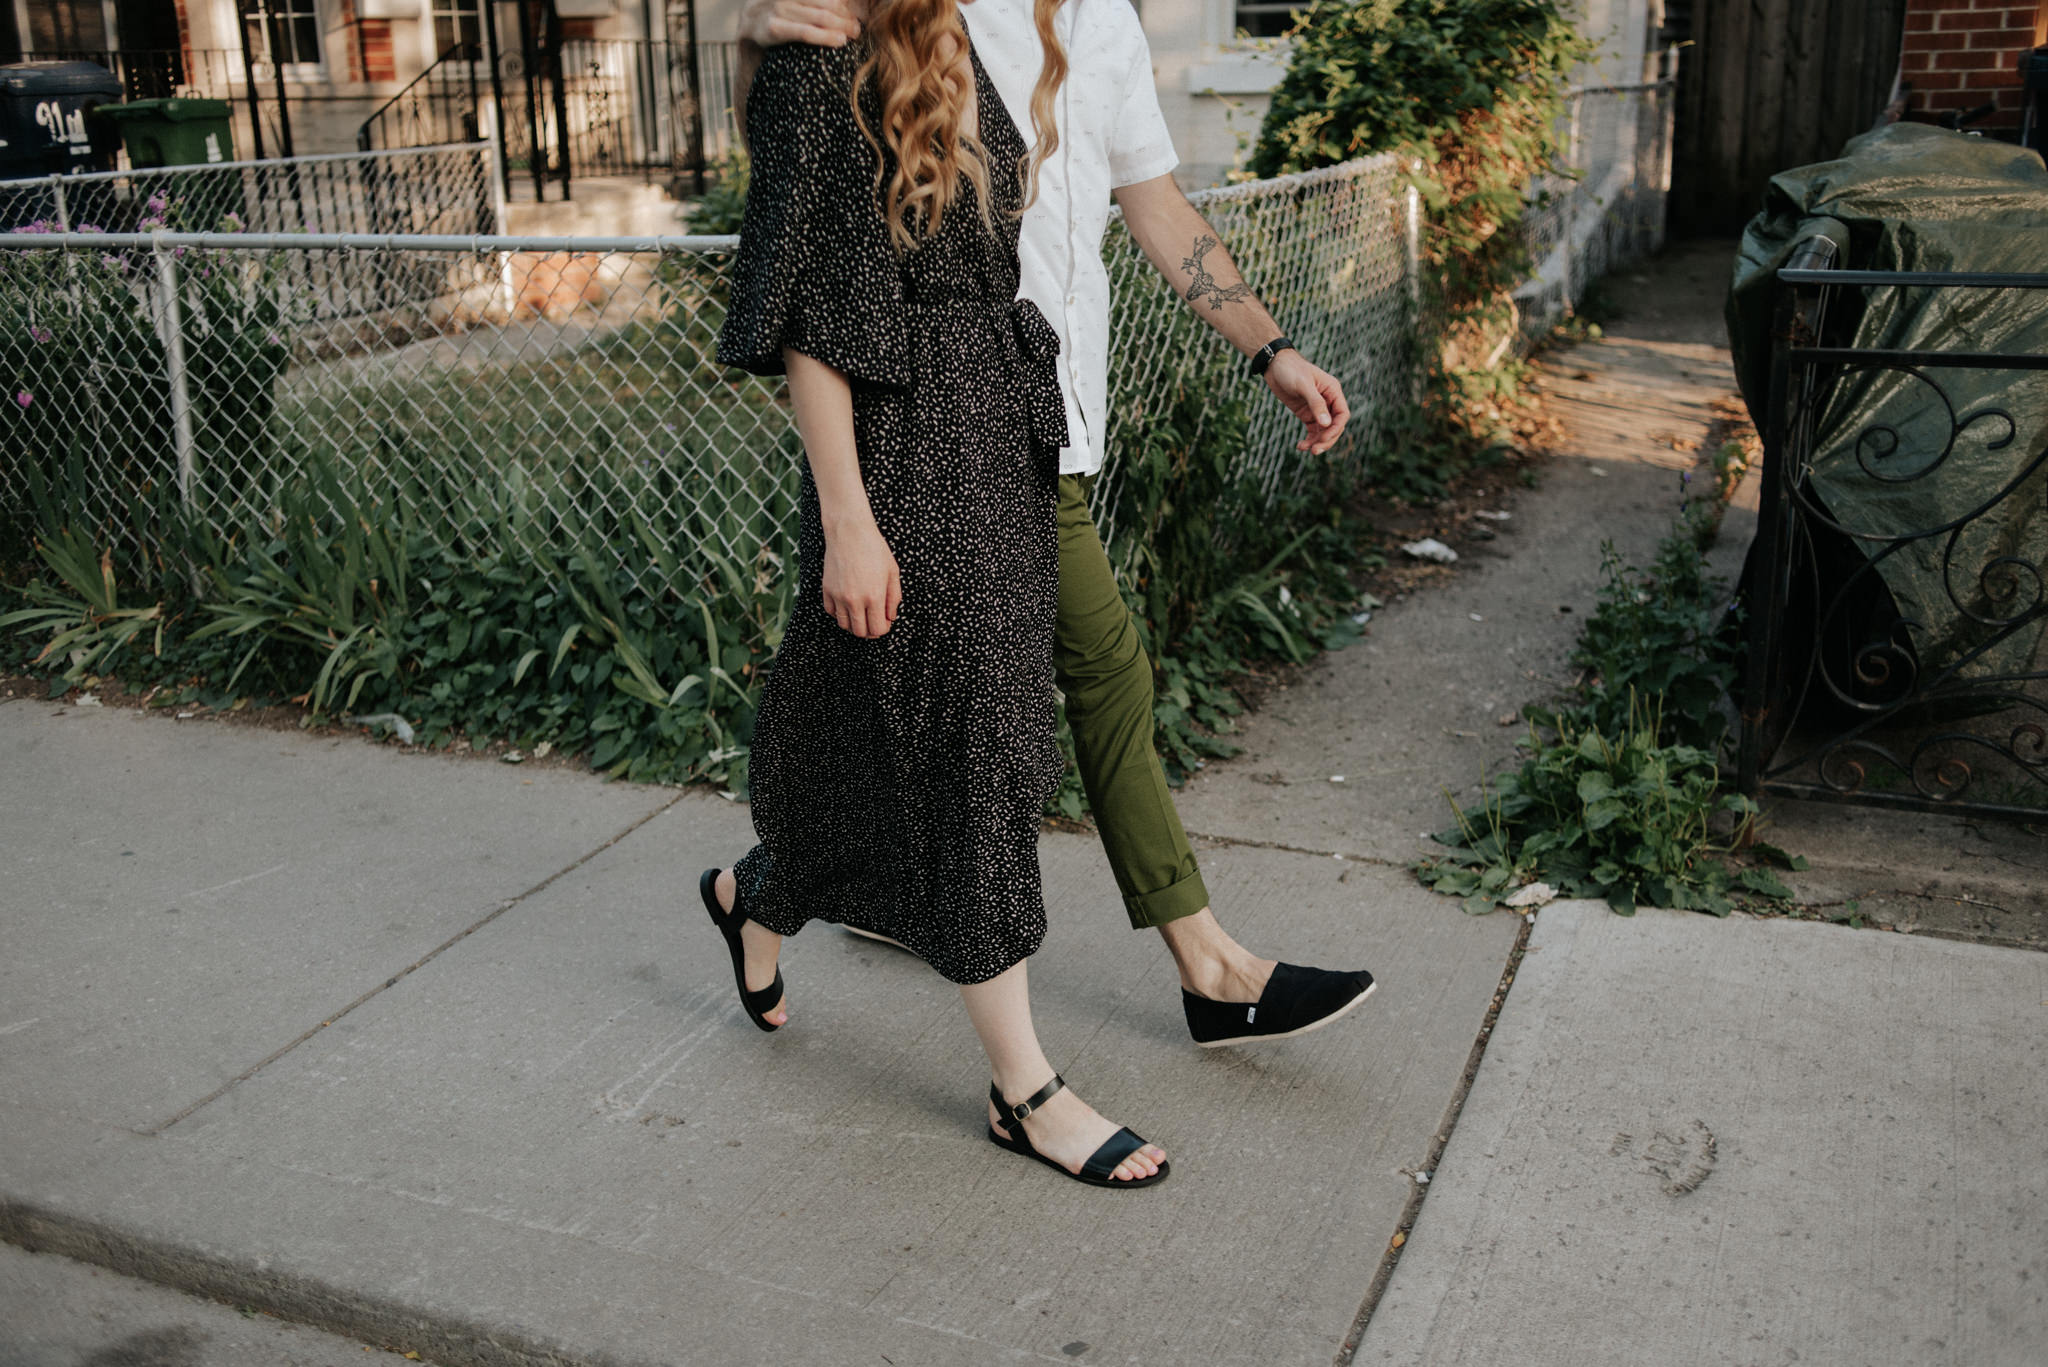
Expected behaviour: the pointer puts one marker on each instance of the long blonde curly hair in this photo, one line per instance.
(926, 88)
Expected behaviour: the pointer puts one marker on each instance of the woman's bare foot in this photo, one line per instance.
(762, 945)
(1068, 1130)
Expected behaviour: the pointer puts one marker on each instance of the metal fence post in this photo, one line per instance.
(171, 318)
(63, 209)
(1411, 259)
(1568, 265)
(496, 170)
(1794, 320)
(1667, 120)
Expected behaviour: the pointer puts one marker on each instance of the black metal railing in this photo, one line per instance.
(610, 107)
(1896, 604)
(442, 104)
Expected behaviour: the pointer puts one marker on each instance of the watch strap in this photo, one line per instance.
(1263, 357)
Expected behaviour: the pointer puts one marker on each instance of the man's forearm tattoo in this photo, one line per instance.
(1201, 283)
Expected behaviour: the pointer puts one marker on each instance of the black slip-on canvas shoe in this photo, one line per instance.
(1296, 1001)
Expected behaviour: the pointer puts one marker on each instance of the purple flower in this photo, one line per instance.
(39, 226)
(157, 203)
(24, 398)
(90, 228)
(149, 225)
(272, 339)
(42, 334)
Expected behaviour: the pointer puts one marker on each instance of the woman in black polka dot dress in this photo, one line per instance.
(905, 745)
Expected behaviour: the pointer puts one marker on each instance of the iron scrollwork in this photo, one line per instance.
(1921, 642)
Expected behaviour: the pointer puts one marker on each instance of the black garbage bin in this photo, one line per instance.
(48, 124)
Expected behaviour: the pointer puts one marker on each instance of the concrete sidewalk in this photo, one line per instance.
(1744, 1142)
(442, 1055)
(522, 1120)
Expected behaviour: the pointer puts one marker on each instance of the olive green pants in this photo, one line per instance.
(1102, 668)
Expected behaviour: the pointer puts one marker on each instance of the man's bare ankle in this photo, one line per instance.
(1223, 978)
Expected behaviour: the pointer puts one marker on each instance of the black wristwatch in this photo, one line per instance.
(1263, 357)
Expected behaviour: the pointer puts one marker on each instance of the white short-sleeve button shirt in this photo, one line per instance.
(1111, 135)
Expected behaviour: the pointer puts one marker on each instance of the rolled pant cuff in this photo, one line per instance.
(1153, 909)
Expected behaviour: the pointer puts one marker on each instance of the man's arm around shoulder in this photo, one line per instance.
(770, 23)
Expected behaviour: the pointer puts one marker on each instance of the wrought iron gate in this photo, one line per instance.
(1857, 691)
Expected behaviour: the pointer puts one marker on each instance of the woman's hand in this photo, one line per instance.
(862, 588)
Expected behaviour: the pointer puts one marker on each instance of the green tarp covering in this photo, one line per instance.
(1890, 456)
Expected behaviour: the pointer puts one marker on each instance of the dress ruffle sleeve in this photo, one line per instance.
(816, 272)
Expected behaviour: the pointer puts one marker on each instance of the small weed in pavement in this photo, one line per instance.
(1619, 793)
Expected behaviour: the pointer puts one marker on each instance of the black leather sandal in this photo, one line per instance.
(757, 1004)
(1096, 1171)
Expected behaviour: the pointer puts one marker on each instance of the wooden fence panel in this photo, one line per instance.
(1770, 84)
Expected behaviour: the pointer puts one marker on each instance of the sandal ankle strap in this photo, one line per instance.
(1019, 1110)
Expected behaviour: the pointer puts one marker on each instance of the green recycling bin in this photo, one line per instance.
(178, 132)
(183, 132)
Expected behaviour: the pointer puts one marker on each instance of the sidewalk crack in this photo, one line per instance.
(406, 972)
(1439, 1141)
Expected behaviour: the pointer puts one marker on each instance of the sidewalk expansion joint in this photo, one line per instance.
(406, 972)
(1419, 1191)
(1244, 842)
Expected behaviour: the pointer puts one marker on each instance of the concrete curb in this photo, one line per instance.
(443, 1339)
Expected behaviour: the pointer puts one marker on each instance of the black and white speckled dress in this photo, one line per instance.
(897, 782)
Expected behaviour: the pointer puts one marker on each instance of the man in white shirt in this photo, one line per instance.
(1113, 142)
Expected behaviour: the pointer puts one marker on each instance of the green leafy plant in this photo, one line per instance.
(1471, 92)
(488, 621)
(1220, 574)
(722, 207)
(1618, 794)
(1595, 812)
(80, 348)
(1656, 633)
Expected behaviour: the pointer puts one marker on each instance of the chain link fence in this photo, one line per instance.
(1619, 141)
(442, 189)
(1333, 254)
(573, 381)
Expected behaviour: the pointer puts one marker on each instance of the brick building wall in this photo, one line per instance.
(1960, 54)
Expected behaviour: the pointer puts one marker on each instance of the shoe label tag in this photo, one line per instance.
(1251, 1015)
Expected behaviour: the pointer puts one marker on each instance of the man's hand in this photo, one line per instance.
(1187, 251)
(1311, 394)
(821, 23)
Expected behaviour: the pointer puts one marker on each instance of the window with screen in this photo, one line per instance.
(457, 23)
(1264, 19)
(284, 31)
